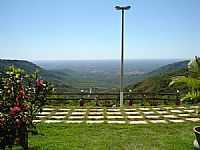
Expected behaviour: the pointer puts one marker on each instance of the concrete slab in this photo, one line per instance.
(36, 121)
(138, 122)
(74, 121)
(76, 117)
(158, 121)
(96, 110)
(193, 119)
(152, 117)
(183, 115)
(144, 109)
(156, 108)
(113, 109)
(44, 113)
(78, 113)
(169, 116)
(116, 122)
(95, 117)
(58, 117)
(48, 109)
(162, 112)
(114, 117)
(189, 110)
(168, 108)
(135, 117)
(64, 109)
(53, 121)
(176, 111)
(195, 107)
(95, 121)
(80, 109)
(181, 107)
(61, 113)
(130, 109)
(132, 113)
(41, 117)
(113, 113)
(96, 113)
(148, 112)
(176, 120)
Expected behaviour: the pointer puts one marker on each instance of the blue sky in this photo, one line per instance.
(90, 29)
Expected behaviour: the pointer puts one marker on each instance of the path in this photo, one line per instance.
(140, 115)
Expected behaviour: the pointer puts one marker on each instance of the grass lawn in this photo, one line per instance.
(113, 137)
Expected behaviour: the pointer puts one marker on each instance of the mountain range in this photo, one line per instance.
(71, 79)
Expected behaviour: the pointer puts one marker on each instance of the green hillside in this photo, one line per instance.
(69, 80)
(158, 80)
(27, 66)
(62, 81)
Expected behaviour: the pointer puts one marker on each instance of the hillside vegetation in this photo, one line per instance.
(55, 77)
(158, 80)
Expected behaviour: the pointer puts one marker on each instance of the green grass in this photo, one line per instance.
(113, 137)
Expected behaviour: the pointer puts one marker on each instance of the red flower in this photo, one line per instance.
(22, 93)
(14, 110)
(40, 84)
(17, 101)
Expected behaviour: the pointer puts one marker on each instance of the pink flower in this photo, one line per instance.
(40, 84)
(14, 110)
(22, 93)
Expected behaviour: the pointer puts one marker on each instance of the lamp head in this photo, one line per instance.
(122, 7)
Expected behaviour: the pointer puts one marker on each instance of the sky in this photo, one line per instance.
(90, 29)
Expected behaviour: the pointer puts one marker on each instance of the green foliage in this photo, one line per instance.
(192, 80)
(159, 79)
(22, 96)
(189, 81)
(192, 96)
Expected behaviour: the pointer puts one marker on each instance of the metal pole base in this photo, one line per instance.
(121, 99)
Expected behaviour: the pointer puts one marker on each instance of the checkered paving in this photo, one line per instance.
(140, 115)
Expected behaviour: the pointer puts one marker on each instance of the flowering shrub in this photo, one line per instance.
(22, 96)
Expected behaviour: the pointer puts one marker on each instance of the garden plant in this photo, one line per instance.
(22, 96)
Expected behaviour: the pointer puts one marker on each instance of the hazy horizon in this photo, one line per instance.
(33, 60)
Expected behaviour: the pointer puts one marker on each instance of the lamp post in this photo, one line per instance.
(122, 9)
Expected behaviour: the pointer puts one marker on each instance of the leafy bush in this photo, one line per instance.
(22, 96)
(192, 81)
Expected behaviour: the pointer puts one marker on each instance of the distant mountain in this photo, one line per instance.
(103, 75)
(159, 79)
(104, 78)
(62, 81)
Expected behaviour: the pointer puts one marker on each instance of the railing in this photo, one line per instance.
(130, 98)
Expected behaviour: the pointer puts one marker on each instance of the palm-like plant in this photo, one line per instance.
(192, 80)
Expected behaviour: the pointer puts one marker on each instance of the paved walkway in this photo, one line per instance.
(140, 115)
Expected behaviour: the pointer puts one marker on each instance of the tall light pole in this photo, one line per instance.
(122, 9)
